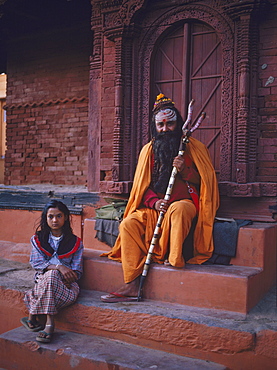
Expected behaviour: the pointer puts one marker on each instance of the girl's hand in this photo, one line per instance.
(69, 275)
(161, 205)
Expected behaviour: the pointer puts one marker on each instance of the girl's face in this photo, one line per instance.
(55, 220)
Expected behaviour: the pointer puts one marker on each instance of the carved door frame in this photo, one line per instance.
(135, 31)
(163, 23)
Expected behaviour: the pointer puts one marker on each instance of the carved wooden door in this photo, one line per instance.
(187, 64)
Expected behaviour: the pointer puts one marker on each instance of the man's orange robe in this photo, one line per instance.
(208, 205)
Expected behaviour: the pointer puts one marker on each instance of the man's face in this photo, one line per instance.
(165, 120)
(165, 126)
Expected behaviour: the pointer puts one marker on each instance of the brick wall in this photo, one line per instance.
(49, 144)
(47, 108)
(267, 114)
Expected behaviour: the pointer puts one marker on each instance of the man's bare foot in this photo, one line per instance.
(129, 289)
(127, 293)
(167, 263)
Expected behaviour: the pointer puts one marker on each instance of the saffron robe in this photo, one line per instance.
(208, 205)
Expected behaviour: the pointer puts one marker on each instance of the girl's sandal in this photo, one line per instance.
(44, 337)
(29, 325)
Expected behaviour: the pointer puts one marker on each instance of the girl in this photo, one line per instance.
(57, 258)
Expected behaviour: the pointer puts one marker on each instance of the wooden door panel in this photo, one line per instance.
(205, 88)
(168, 67)
(193, 73)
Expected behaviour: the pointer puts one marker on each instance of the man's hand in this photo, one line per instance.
(179, 163)
(161, 205)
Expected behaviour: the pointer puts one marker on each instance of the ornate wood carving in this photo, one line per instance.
(125, 10)
(94, 127)
(122, 37)
(118, 122)
(115, 187)
(242, 138)
(251, 189)
(253, 114)
(243, 14)
(96, 26)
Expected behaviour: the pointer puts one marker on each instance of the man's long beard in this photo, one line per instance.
(165, 147)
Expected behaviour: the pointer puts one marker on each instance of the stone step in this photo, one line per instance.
(80, 351)
(235, 340)
(232, 288)
(256, 246)
(256, 243)
(12, 251)
(231, 339)
(89, 236)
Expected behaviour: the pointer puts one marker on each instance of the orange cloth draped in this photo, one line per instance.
(208, 205)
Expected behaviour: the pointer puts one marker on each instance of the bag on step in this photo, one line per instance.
(112, 211)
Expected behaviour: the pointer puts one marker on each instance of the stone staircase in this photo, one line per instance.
(199, 317)
(236, 288)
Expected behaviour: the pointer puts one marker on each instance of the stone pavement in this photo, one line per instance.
(45, 188)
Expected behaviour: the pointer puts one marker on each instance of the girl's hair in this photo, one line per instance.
(43, 226)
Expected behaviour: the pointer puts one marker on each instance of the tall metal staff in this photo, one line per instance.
(184, 141)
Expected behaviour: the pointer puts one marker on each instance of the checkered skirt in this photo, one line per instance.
(50, 294)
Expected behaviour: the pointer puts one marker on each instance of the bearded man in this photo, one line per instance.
(194, 197)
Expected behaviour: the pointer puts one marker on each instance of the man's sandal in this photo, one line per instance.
(29, 325)
(116, 297)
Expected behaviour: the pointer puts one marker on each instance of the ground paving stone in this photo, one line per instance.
(82, 351)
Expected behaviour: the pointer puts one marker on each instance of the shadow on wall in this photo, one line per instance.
(3, 85)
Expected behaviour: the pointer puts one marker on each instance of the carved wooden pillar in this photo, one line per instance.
(119, 116)
(128, 105)
(253, 114)
(118, 28)
(122, 114)
(242, 137)
(246, 124)
(94, 125)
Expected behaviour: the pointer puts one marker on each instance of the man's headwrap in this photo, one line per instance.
(164, 103)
